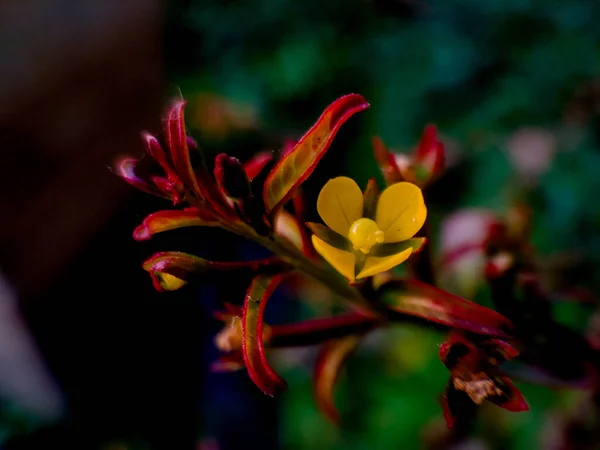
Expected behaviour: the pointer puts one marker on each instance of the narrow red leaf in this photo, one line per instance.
(155, 150)
(449, 416)
(332, 356)
(297, 165)
(430, 156)
(203, 186)
(259, 370)
(126, 169)
(319, 330)
(257, 163)
(386, 162)
(177, 141)
(173, 219)
(415, 298)
(171, 270)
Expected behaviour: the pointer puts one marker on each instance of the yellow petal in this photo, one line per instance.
(169, 282)
(341, 260)
(340, 203)
(401, 211)
(376, 265)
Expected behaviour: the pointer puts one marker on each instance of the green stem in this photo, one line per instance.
(295, 257)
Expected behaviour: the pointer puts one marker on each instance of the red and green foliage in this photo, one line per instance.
(250, 199)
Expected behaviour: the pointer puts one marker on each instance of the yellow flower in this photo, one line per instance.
(371, 234)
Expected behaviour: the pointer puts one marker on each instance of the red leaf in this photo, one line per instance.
(177, 141)
(319, 330)
(231, 177)
(203, 186)
(448, 415)
(512, 400)
(257, 163)
(387, 162)
(297, 165)
(173, 219)
(422, 300)
(171, 270)
(126, 169)
(259, 370)
(430, 157)
(155, 150)
(332, 356)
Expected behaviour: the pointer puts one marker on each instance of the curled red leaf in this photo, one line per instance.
(329, 363)
(259, 369)
(172, 219)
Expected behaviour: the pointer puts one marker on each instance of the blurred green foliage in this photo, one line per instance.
(480, 71)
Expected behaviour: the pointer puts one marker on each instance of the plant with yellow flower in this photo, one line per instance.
(365, 235)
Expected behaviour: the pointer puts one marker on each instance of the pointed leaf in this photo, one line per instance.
(429, 157)
(155, 150)
(231, 177)
(370, 199)
(387, 162)
(257, 163)
(512, 400)
(328, 235)
(171, 270)
(332, 356)
(297, 165)
(126, 169)
(259, 370)
(177, 141)
(202, 186)
(322, 329)
(173, 219)
(422, 300)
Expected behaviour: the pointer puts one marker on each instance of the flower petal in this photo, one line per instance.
(340, 203)
(401, 211)
(376, 265)
(341, 260)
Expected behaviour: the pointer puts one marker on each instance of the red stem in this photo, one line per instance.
(316, 331)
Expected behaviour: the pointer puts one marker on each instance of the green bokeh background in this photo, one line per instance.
(480, 71)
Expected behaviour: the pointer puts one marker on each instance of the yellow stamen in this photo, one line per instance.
(364, 234)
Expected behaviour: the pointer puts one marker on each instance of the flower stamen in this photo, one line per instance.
(364, 234)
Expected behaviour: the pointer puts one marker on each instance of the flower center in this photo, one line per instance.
(364, 234)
